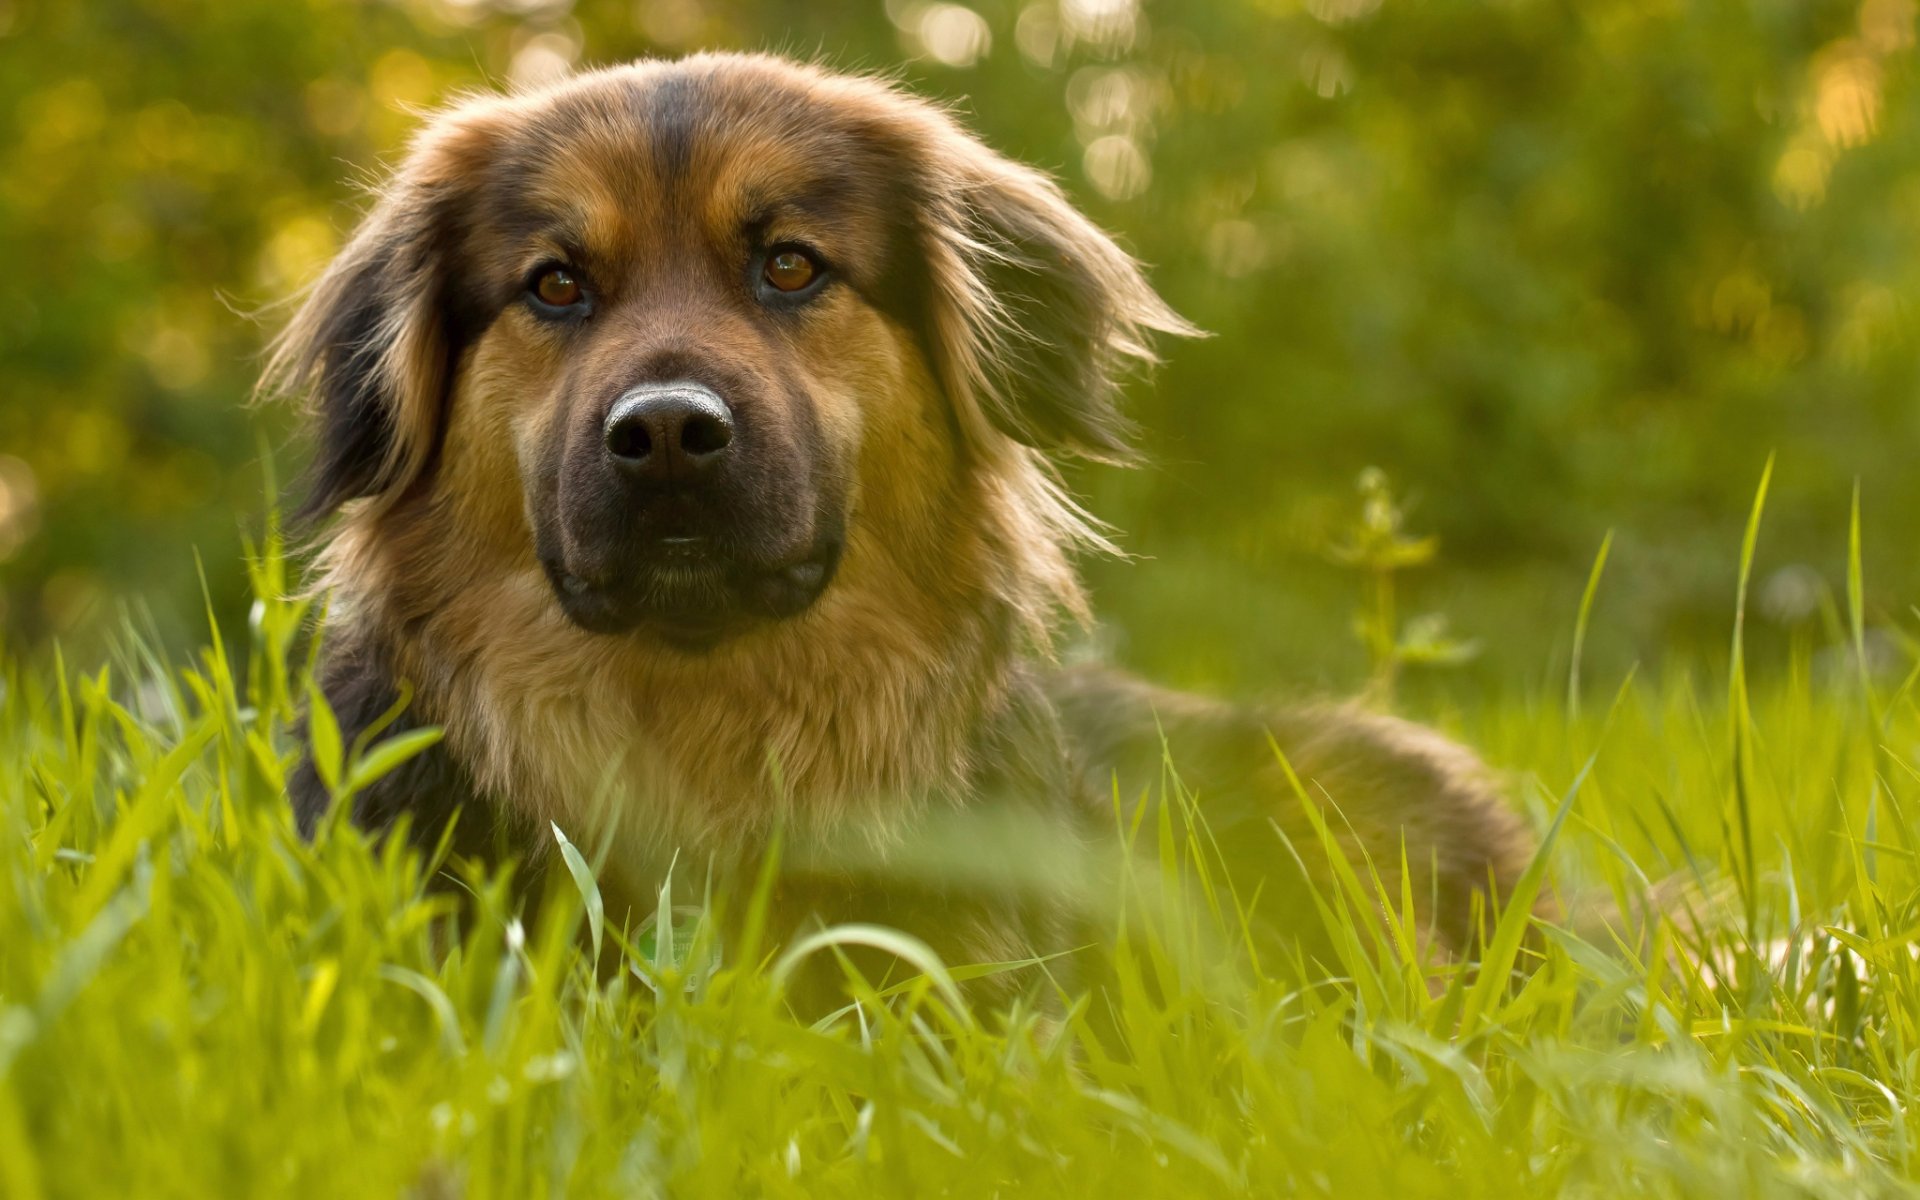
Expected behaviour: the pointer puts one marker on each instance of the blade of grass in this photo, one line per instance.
(1580, 627)
(1740, 713)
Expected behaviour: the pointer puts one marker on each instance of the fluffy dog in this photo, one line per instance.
(688, 426)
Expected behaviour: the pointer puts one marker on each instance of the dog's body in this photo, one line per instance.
(688, 422)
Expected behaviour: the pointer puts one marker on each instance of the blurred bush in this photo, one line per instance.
(1555, 267)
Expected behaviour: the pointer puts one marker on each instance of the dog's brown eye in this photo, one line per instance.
(557, 287)
(791, 270)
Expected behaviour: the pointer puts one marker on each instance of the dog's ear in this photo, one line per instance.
(373, 343)
(1035, 315)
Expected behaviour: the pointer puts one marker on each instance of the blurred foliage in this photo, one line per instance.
(1556, 267)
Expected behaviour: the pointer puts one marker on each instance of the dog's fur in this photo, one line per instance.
(891, 548)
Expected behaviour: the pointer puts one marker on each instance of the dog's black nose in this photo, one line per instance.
(668, 432)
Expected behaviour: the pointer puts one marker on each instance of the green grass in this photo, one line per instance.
(195, 1002)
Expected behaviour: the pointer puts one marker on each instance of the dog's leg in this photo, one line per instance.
(1380, 784)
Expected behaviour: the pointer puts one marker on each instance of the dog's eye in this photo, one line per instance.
(791, 269)
(557, 287)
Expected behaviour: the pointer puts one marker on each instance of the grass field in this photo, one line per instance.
(195, 1002)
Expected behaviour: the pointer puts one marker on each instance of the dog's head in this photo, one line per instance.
(674, 331)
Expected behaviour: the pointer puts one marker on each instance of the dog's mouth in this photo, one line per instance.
(691, 594)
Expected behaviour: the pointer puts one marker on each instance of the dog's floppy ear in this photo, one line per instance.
(1035, 314)
(374, 340)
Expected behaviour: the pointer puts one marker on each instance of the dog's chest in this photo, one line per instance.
(705, 764)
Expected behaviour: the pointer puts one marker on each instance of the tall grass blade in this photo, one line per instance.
(1580, 626)
(1740, 713)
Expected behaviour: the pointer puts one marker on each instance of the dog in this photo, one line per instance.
(686, 442)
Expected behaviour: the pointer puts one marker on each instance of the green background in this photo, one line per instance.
(1557, 268)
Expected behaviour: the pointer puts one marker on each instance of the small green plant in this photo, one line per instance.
(1376, 543)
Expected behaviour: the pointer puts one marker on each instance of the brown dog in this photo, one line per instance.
(688, 427)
